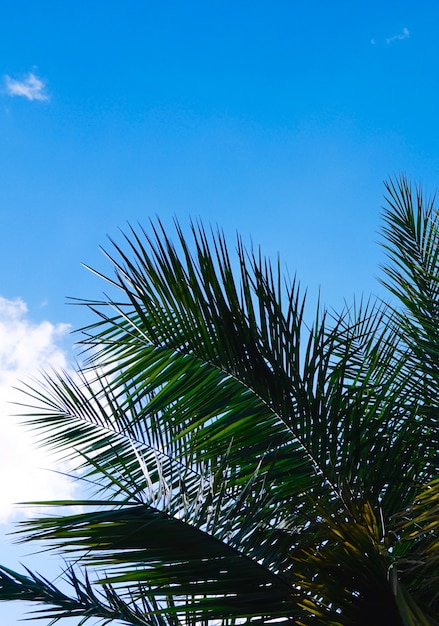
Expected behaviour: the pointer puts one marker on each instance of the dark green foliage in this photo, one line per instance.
(247, 466)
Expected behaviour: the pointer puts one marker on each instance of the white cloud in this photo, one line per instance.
(404, 35)
(31, 87)
(25, 348)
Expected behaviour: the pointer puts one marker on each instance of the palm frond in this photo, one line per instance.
(83, 603)
(412, 243)
(166, 556)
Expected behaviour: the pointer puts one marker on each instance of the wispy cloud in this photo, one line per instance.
(404, 35)
(31, 87)
(25, 348)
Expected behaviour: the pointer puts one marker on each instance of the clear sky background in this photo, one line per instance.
(279, 120)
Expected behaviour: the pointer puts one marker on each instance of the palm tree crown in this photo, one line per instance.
(246, 466)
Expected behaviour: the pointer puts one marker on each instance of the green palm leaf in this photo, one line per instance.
(247, 466)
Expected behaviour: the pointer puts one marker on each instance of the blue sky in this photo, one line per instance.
(278, 120)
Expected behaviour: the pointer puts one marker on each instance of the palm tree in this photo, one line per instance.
(244, 466)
